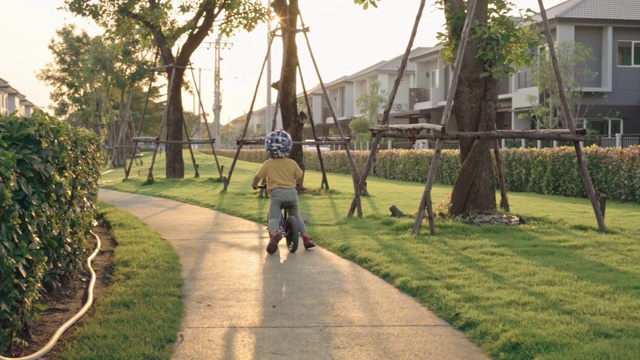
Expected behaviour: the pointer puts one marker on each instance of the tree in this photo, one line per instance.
(359, 127)
(95, 78)
(371, 102)
(573, 60)
(288, 12)
(169, 23)
(497, 46)
(75, 75)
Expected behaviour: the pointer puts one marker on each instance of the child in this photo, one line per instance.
(282, 175)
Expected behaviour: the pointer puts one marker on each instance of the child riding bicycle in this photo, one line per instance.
(282, 175)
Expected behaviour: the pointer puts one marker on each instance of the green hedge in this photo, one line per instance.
(49, 175)
(614, 172)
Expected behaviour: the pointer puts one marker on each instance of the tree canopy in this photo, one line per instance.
(176, 29)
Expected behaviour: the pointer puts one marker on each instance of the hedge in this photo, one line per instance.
(49, 175)
(614, 172)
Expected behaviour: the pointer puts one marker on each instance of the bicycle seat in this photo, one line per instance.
(287, 205)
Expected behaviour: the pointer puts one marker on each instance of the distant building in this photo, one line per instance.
(12, 100)
(611, 29)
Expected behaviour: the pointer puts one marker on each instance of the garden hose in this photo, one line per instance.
(52, 342)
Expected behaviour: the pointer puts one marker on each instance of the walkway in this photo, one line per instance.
(241, 303)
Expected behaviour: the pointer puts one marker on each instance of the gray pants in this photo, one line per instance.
(279, 196)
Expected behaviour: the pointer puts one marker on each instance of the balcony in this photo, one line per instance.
(418, 95)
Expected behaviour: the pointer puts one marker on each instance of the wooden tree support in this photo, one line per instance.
(439, 133)
(362, 184)
(324, 183)
(184, 142)
(355, 174)
(504, 200)
(157, 140)
(416, 133)
(342, 140)
(259, 140)
(566, 110)
(426, 196)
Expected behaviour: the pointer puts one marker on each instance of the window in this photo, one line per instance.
(525, 78)
(434, 79)
(604, 126)
(628, 53)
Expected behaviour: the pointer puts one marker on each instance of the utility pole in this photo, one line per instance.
(218, 45)
(269, 115)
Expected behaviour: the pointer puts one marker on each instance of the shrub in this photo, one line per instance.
(614, 172)
(48, 189)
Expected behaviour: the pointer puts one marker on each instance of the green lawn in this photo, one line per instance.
(139, 318)
(553, 288)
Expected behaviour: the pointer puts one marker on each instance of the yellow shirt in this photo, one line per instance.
(281, 173)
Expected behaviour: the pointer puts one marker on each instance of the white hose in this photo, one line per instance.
(42, 352)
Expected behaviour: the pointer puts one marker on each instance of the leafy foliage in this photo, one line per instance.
(163, 25)
(359, 127)
(365, 3)
(505, 40)
(48, 188)
(573, 61)
(371, 102)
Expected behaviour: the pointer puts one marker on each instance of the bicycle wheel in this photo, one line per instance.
(291, 231)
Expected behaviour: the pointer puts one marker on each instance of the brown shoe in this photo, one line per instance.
(273, 243)
(308, 242)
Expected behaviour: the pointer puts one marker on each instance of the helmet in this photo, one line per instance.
(278, 144)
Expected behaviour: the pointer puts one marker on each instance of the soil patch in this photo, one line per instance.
(496, 219)
(67, 301)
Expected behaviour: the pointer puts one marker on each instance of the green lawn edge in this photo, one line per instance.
(139, 317)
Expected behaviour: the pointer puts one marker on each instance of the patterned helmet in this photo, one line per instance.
(278, 144)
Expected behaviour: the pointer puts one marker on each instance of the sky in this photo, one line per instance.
(343, 39)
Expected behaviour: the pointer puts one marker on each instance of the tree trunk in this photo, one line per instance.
(288, 14)
(475, 104)
(175, 119)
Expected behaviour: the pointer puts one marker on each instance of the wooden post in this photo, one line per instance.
(206, 125)
(164, 119)
(566, 111)
(354, 169)
(425, 202)
(227, 179)
(504, 201)
(603, 203)
(324, 184)
(385, 117)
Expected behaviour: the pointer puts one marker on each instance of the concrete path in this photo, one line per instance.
(241, 303)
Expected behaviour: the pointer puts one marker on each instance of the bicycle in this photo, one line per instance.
(287, 226)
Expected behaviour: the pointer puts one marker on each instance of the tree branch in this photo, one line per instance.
(195, 38)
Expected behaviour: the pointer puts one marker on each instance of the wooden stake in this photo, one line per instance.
(566, 111)
(504, 201)
(426, 197)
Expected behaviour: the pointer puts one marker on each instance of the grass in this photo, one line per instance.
(140, 316)
(553, 288)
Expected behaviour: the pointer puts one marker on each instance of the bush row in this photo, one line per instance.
(614, 172)
(49, 175)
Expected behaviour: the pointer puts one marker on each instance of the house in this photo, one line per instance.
(345, 92)
(611, 29)
(342, 94)
(12, 100)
